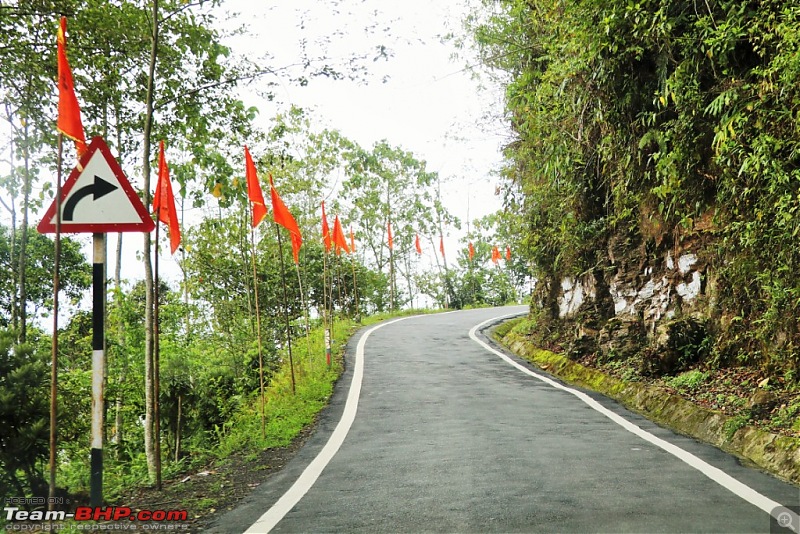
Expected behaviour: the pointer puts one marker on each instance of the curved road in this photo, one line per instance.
(431, 429)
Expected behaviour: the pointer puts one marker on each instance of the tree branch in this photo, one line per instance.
(213, 85)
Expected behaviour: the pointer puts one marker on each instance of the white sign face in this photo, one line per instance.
(97, 198)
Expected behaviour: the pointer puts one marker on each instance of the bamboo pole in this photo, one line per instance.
(355, 289)
(157, 361)
(305, 309)
(258, 336)
(54, 346)
(286, 308)
(326, 318)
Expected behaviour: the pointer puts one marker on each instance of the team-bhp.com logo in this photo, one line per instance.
(14, 516)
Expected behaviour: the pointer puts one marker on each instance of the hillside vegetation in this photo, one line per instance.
(648, 128)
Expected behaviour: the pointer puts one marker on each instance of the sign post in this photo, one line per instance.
(98, 367)
(97, 198)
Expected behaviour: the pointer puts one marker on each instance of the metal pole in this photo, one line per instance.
(98, 371)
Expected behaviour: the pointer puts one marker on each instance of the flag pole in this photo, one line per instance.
(305, 310)
(286, 306)
(331, 309)
(156, 360)
(54, 350)
(355, 280)
(325, 304)
(391, 266)
(342, 299)
(258, 335)
(355, 289)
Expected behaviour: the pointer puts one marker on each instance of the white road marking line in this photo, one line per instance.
(309, 476)
(778, 511)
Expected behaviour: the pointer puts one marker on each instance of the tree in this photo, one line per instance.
(390, 184)
(75, 277)
(24, 411)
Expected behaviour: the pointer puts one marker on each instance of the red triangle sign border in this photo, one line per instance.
(146, 223)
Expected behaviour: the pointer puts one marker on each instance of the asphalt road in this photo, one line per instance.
(431, 430)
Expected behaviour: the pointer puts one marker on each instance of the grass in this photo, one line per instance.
(688, 380)
(287, 413)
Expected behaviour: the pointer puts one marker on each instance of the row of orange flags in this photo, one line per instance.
(497, 255)
(418, 245)
(164, 203)
(336, 240)
(280, 213)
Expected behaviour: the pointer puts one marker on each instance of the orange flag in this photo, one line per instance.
(508, 253)
(471, 251)
(282, 216)
(339, 241)
(69, 112)
(326, 230)
(352, 240)
(164, 201)
(389, 233)
(441, 245)
(254, 189)
(417, 245)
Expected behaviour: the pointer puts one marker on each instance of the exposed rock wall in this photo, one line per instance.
(647, 293)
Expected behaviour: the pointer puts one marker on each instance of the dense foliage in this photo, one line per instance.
(647, 123)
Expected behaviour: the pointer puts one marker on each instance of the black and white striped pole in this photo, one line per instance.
(98, 367)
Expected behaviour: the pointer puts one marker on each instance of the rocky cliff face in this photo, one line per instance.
(650, 305)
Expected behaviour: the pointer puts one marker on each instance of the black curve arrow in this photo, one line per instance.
(99, 188)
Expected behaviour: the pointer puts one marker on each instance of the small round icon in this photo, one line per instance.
(785, 519)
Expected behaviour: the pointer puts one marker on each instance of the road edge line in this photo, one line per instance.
(773, 508)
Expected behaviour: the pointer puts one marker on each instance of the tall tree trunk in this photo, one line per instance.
(12, 210)
(149, 361)
(23, 238)
(182, 264)
(119, 422)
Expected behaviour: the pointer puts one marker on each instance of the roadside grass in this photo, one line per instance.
(688, 380)
(287, 413)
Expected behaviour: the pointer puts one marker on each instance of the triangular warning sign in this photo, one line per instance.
(97, 198)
